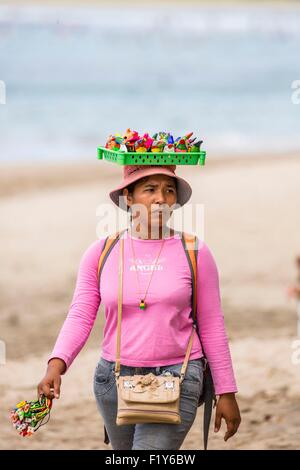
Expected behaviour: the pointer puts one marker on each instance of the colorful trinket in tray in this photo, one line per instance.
(160, 149)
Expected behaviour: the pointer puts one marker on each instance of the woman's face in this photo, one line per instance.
(157, 193)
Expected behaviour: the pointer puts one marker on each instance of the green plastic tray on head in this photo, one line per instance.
(152, 158)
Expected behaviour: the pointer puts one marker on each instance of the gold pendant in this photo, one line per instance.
(142, 305)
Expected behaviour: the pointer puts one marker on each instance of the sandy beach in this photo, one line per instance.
(252, 221)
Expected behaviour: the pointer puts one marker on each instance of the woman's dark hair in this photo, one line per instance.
(131, 186)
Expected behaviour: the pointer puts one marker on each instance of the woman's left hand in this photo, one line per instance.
(228, 409)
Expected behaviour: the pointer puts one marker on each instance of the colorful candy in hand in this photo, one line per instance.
(27, 417)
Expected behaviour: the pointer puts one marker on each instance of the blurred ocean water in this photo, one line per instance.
(75, 75)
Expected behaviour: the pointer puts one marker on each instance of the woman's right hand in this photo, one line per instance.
(50, 384)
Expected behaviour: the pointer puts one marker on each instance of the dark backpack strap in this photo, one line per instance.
(106, 438)
(209, 401)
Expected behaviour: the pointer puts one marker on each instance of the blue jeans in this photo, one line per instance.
(157, 436)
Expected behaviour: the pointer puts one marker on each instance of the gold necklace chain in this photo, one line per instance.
(142, 304)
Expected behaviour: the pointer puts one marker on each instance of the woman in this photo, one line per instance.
(156, 316)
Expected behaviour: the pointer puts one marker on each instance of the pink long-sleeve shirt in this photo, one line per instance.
(158, 335)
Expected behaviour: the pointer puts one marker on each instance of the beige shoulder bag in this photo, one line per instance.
(146, 398)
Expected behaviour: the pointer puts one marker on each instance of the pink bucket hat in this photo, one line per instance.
(132, 173)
